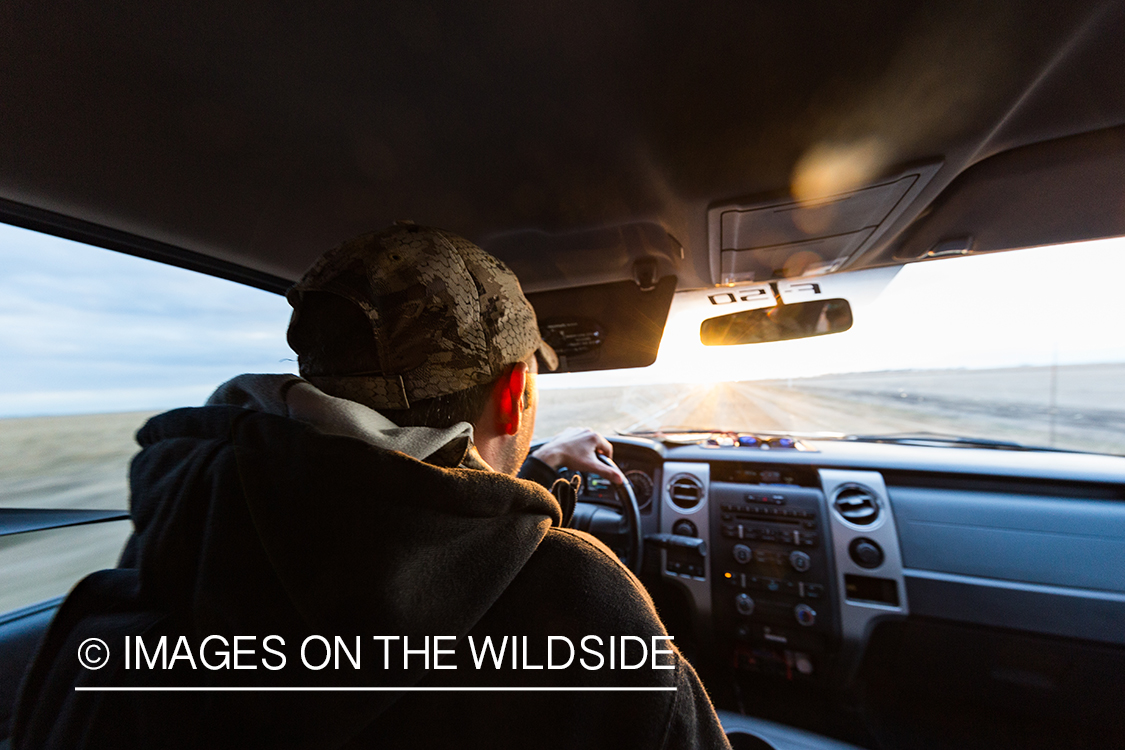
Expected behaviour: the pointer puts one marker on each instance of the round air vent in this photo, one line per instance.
(685, 491)
(856, 505)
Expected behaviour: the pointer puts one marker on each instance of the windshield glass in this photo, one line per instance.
(1021, 346)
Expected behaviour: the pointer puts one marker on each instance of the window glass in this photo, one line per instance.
(92, 343)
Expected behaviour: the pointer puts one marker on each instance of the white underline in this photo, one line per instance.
(330, 689)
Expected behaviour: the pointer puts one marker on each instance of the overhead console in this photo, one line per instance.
(758, 240)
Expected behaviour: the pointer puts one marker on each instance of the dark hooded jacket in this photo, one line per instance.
(253, 524)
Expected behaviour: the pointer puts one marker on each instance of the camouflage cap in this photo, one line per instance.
(445, 315)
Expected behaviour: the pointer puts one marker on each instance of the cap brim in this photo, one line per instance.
(547, 356)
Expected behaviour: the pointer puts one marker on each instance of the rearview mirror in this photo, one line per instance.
(781, 323)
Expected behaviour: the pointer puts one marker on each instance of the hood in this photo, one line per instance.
(291, 396)
(297, 512)
(277, 510)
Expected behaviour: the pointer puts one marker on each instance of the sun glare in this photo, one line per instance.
(1010, 309)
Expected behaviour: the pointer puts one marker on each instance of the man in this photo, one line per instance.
(369, 500)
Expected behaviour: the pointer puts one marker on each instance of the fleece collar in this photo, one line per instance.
(293, 397)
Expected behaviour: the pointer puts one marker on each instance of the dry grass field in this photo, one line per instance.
(62, 462)
(82, 461)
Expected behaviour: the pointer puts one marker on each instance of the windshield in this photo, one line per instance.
(1023, 347)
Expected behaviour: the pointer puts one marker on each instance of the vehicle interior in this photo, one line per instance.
(629, 160)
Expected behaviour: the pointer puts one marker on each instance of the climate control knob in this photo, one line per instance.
(866, 553)
(744, 604)
(684, 527)
(805, 615)
(800, 561)
(742, 554)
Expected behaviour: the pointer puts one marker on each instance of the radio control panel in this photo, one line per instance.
(771, 574)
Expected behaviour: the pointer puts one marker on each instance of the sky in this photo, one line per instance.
(86, 330)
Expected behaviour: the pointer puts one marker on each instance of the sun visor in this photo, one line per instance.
(768, 239)
(544, 261)
(604, 326)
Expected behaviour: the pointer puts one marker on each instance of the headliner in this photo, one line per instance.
(262, 135)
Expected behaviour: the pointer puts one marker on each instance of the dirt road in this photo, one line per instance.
(1080, 408)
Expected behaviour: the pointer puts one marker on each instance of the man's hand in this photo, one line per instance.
(577, 448)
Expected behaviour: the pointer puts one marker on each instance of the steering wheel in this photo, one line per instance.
(634, 556)
(604, 522)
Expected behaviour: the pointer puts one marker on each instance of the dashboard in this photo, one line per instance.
(860, 571)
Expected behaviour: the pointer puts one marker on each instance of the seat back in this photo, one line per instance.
(21, 632)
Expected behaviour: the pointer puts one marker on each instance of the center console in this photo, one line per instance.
(772, 572)
(800, 562)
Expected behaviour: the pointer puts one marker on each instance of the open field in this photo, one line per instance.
(82, 461)
(62, 462)
(1085, 412)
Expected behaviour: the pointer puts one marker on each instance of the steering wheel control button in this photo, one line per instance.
(744, 604)
(684, 527)
(805, 615)
(866, 553)
(742, 554)
(800, 561)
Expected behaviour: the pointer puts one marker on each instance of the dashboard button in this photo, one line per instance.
(684, 527)
(800, 561)
(744, 604)
(803, 664)
(805, 615)
(866, 553)
(742, 554)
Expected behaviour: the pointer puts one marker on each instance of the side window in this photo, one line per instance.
(93, 343)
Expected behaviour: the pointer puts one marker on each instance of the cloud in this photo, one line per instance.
(84, 329)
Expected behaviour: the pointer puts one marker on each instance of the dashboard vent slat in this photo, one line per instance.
(685, 492)
(857, 505)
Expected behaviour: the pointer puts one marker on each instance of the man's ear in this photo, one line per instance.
(508, 397)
